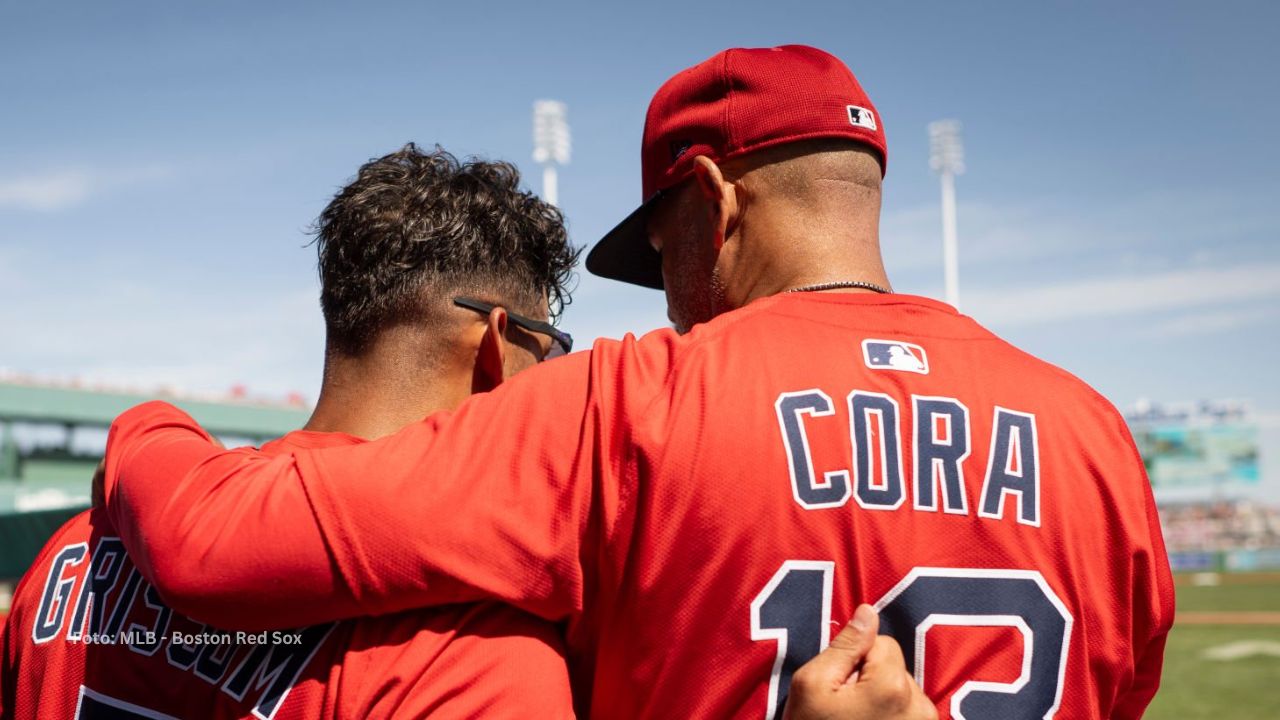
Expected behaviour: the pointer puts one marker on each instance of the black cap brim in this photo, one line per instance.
(624, 253)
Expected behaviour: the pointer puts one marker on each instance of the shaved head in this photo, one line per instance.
(777, 218)
(808, 170)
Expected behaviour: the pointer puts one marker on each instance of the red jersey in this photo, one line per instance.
(707, 509)
(88, 637)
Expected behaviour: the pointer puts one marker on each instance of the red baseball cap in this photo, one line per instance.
(738, 101)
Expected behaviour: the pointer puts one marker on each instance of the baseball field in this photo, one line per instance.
(1223, 658)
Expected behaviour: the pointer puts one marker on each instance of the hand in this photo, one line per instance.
(98, 491)
(860, 676)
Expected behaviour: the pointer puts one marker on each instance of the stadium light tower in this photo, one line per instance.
(946, 157)
(550, 143)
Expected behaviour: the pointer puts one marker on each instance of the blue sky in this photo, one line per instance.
(160, 162)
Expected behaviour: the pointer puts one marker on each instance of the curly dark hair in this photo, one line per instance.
(414, 226)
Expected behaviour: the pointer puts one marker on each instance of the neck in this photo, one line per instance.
(802, 251)
(378, 393)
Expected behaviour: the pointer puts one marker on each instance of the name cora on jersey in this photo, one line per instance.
(941, 442)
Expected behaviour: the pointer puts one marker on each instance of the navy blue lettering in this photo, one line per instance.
(124, 603)
(213, 660)
(141, 633)
(886, 494)
(57, 593)
(182, 655)
(104, 572)
(1013, 467)
(276, 667)
(833, 490)
(937, 456)
(985, 598)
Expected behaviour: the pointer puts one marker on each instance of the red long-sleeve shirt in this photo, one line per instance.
(128, 654)
(703, 508)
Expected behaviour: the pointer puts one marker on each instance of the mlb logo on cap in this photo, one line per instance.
(895, 355)
(734, 103)
(862, 117)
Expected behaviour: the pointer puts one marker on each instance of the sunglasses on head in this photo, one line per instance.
(563, 342)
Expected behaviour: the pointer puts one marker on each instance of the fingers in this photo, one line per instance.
(886, 682)
(860, 676)
(861, 631)
(885, 655)
(838, 664)
(884, 662)
(98, 485)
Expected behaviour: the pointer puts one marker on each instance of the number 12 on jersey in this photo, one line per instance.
(794, 611)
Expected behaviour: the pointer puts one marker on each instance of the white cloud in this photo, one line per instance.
(911, 238)
(1128, 294)
(1209, 322)
(606, 309)
(1153, 229)
(51, 191)
(62, 189)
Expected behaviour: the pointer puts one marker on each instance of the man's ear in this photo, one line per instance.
(491, 356)
(720, 195)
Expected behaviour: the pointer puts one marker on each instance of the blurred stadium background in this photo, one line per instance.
(1093, 238)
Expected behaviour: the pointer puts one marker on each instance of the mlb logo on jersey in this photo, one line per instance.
(895, 355)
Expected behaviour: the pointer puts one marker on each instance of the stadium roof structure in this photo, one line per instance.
(43, 485)
(78, 406)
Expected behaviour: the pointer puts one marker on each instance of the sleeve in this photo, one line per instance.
(210, 527)
(1134, 702)
(494, 501)
(8, 672)
(1153, 598)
